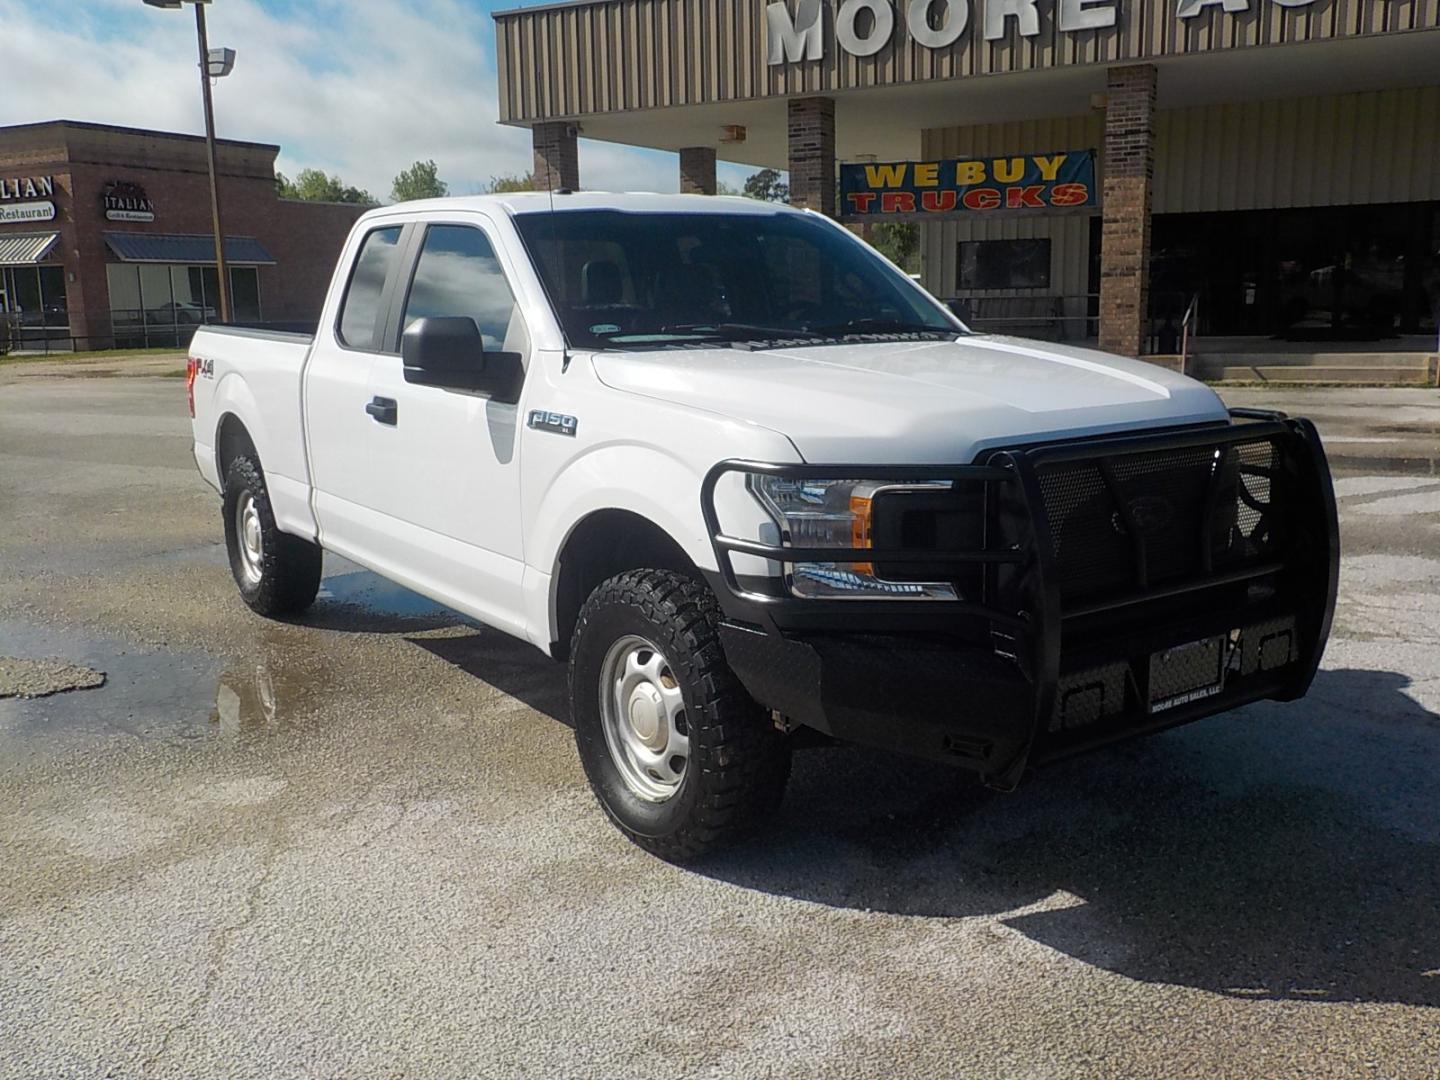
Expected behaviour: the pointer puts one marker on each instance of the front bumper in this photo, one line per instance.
(1036, 661)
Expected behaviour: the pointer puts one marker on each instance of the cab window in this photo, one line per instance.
(360, 310)
(458, 274)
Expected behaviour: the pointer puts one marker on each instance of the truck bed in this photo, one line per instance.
(256, 373)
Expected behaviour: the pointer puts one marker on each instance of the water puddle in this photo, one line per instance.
(364, 602)
(147, 693)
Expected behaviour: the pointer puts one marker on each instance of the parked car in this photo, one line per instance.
(755, 486)
(181, 313)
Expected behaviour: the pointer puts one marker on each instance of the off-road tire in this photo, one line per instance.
(290, 565)
(739, 763)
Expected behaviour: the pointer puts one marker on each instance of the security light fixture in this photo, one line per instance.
(220, 62)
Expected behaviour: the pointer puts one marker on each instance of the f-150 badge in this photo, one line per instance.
(555, 423)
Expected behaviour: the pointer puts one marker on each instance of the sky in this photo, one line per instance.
(359, 88)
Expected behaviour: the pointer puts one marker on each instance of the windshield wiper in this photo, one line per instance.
(887, 326)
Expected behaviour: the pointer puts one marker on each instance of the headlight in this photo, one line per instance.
(836, 514)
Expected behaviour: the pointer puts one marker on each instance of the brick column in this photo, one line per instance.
(697, 170)
(812, 154)
(557, 156)
(1125, 237)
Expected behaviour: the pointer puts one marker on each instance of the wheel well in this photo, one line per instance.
(606, 543)
(232, 440)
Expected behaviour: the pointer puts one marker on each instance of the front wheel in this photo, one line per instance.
(681, 758)
(278, 574)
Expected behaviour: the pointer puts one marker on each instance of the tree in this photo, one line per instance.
(315, 185)
(899, 241)
(722, 188)
(504, 185)
(767, 185)
(420, 181)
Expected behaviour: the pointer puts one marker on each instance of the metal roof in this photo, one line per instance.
(26, 250)
(194, 249)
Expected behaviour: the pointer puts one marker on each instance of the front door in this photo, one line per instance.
(443, 465)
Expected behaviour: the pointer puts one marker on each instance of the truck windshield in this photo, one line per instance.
(621, 279)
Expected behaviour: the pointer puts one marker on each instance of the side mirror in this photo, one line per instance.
(449, 352)
(447, 345)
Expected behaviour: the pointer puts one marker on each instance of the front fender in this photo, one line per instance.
(646, 481)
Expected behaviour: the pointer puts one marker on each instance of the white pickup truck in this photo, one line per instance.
(756, 486)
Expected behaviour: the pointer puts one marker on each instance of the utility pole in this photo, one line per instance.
(225, 60)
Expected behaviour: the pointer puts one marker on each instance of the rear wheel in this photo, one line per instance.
(681, 758)
(278, 574)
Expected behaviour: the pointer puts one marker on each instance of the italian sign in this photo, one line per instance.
(27, 187)
(36, 193)
(124, 201)
(1063, 180)
(28, 211)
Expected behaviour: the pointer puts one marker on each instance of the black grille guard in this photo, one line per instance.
(1030, 618)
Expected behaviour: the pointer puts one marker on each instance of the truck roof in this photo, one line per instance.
(529, 202)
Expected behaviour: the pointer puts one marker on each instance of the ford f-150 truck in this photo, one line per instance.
(755, 486)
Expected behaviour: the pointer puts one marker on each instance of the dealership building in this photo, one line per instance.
(107, 238)
(1130, 171)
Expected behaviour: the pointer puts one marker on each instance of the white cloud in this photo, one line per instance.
(356, 87)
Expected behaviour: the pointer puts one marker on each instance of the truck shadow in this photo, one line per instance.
(509, 665)
(1280, 852)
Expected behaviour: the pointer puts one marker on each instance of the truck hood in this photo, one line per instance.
(916, 402)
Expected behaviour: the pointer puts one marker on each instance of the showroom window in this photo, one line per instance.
(155, 304)
(1003, 264)
(33, 313)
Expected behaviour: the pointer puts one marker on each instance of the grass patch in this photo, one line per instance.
(103, 354)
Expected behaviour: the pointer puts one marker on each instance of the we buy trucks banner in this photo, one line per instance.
(1063, 180)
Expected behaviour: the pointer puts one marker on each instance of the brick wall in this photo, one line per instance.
(812, 154)
(557, 156)
(1125, 236)
(697, 170)
(304, 238)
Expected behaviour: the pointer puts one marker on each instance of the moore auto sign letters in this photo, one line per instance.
(864, 27)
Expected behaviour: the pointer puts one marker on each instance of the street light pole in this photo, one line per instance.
(222, 271)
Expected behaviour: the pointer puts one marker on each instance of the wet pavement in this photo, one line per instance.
(360, 844)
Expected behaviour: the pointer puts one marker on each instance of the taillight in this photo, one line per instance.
(192, 368)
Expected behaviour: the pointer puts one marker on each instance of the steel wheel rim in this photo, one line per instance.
(249, 538)
(642, 712)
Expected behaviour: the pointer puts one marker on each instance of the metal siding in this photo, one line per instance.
(656, 53)
(1374, 147)
(1378, 146)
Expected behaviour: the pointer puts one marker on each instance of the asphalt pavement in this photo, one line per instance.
(360, 844)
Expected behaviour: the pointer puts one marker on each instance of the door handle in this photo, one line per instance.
(384, 410)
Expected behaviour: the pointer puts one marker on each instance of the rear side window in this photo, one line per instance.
(458, 274)
(360, 311)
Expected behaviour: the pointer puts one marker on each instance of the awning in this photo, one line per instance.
(193, 249)
(26, 250)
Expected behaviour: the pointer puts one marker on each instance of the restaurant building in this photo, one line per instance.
(106, 238)
(1129, 171)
